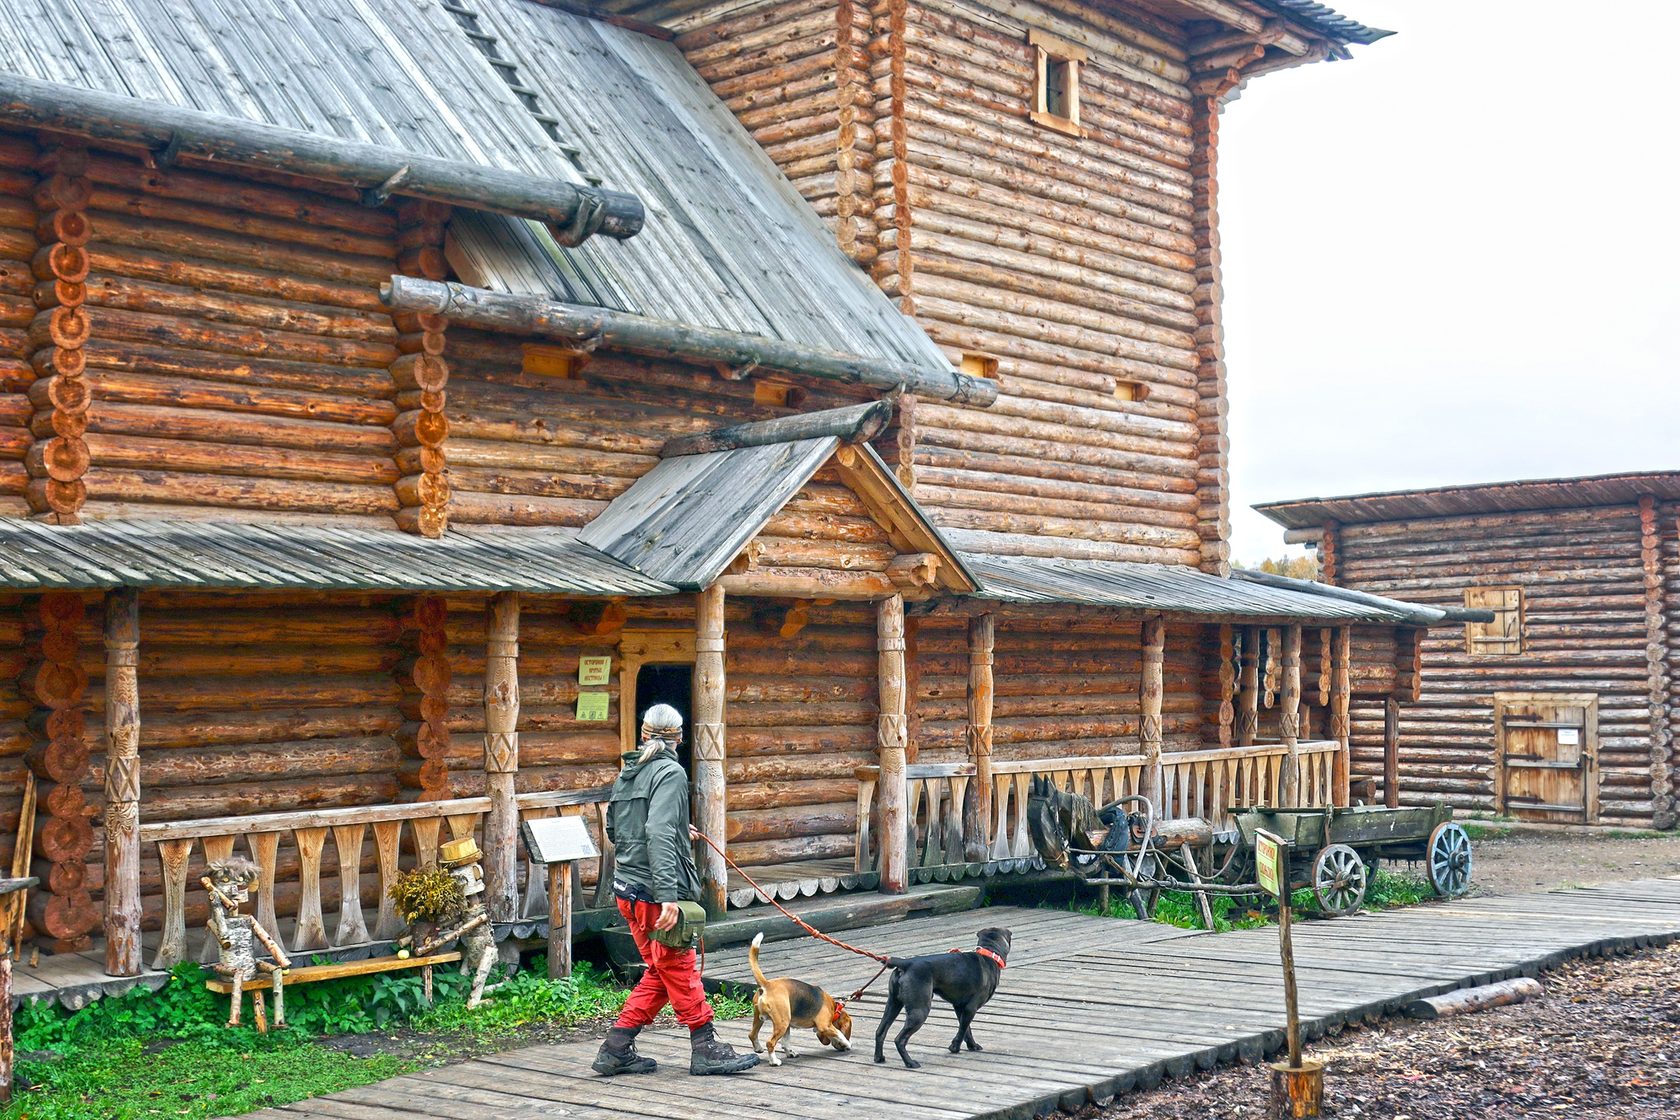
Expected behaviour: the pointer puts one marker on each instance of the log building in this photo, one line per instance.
(1562, 709)
(396, 398)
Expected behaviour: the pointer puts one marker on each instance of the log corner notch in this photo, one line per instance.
(420, 377)
(570, 210)
(582, 327)
(58, 333)
(1664, 785)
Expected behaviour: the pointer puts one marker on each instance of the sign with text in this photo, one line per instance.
(592, 705)
(1268, 861)
(594, 670)
(557, 839)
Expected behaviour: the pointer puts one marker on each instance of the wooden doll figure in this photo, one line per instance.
(469, 921)
(229, 884)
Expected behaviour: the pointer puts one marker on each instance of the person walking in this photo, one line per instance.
(648, 823)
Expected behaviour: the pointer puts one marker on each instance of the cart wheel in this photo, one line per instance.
(1338, 879)
(1449, 860)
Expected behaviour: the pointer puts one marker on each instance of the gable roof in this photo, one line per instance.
(685, 520)
(727, 242)
(1473, 498)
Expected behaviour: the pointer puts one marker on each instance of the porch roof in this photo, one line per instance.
(315, 557)
(1177, 590)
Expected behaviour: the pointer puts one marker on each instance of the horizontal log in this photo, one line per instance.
(29, 103)
(1466, 1001)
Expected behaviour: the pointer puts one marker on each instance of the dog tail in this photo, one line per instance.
(752, 959)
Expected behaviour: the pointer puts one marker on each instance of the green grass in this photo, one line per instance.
(166, 1053)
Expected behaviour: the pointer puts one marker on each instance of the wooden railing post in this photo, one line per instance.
(1150, 691)
(710, 789)
(1248, 696)
(122, 782)
(501, 757)
(1341, 699)
(977, 811)
(891, 736)
(1289, 714)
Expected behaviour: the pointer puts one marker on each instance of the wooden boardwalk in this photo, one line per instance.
(1088, 1008)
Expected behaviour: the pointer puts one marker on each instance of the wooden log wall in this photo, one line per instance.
(1584, 598)
(1072, 260)
(18, 247)
(16, 737)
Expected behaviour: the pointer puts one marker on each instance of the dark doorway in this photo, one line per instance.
(673, 685)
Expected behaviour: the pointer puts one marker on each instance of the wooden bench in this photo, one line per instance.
(338, 970)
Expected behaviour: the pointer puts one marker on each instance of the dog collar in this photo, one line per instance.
(982, 951)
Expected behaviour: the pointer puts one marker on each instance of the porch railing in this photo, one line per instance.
(404, 835)
(1211, 784)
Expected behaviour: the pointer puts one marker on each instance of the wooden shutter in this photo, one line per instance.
(1505, 633)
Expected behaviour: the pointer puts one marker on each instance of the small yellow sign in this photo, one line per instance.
(1268, 860)
(592, 705)
(594, 670)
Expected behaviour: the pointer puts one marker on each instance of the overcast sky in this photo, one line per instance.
(1453, 258)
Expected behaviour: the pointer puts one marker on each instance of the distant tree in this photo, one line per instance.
(1295, 567)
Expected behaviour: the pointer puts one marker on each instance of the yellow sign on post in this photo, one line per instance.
(1268, 859)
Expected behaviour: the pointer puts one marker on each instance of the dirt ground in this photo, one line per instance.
(1603, 1044)
(1523, 862)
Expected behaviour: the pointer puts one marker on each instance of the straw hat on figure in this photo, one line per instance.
(466, 917)
(229, 885)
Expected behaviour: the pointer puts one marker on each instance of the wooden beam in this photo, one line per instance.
(1248, 699)
(977, 813)
(891, 740)
(501, 757)
(1341, 695)
(1391, 753)
(1289, 713)
(809, 583)
(710, 789)
(1151, 689)
(29, 103)
(592, 327)
(855, 424)
(122, 782)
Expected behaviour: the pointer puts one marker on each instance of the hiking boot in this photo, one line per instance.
(618, 1055)
(711, 1055)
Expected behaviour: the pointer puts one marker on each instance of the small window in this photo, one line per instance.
(1056, 89)
(1504, 635)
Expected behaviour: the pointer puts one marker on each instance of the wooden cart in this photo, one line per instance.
(1333, 851)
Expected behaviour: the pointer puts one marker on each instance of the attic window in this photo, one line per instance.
(1056, 85)
(1504, 635)
(979, 365)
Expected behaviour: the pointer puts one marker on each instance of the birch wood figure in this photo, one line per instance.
(236, 934)
(122, 783)
(1150, 692)
(711, 809)
(977, 810)
(890, 740)
(501, 757)
(1289, 713)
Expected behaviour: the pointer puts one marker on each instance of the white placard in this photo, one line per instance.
(557, 839)
(1569, 737)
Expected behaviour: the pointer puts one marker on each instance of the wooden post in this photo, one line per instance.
(1341, 696)
(893, 791)
(1289, 714)
(1150, 690)
(501, 757)
(559, 920)
(5, 1023)
(122, 782)
(1227, 686)
(977, 813)
(1391, 753)
(1297, 1087)
(1248, 698)
(711, 793)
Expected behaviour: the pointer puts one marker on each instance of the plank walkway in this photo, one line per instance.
(1088, 1008)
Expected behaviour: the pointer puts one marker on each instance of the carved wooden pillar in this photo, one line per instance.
(1341, 697)
(1150, 690)
(1227, 685)
(1391, 753)
(1248, 699)
(122, 782)
(1289, 713)
(710, 785)
(501, 757)
(977, 814)
(891, 738)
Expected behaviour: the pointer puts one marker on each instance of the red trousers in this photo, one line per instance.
(672, 976)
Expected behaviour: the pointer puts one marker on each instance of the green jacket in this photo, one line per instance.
(647, 821)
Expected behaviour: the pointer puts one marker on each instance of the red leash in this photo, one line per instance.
(800, 922)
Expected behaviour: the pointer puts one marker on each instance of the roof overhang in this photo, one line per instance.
(1521, 495)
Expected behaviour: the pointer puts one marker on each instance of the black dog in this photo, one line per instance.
(964, 980)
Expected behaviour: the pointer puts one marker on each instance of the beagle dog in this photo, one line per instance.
(793, 1003)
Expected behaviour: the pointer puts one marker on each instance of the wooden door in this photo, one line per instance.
(1546, 756)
